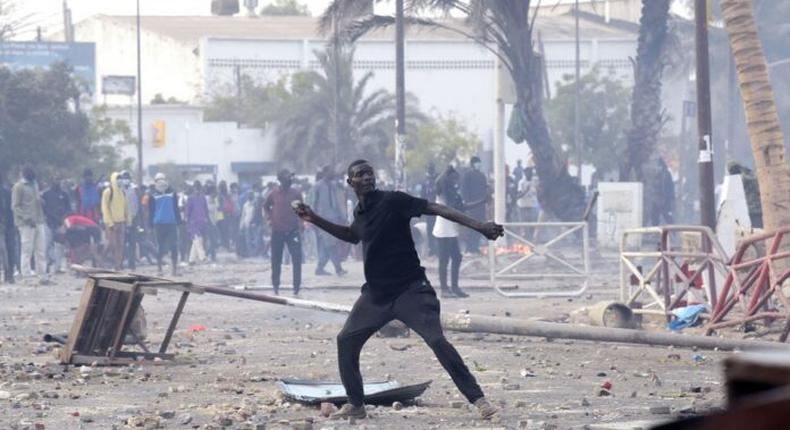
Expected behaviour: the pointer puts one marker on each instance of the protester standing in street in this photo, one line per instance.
(326, 202)
(5, 261)
(447, 232)
(396, 286)
(197, 222)
(29, 219)
(89, 199)
(116, 216)
(8, 232)
(428, 192)
(474, 187)
(57, 205)
(285, 228)
(164, 217)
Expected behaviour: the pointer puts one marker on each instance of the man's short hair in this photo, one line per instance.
(354, 164)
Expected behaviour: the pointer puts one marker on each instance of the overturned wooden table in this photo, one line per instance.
(104, 317)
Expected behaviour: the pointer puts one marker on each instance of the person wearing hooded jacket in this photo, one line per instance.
(165, 217)
(116, 216)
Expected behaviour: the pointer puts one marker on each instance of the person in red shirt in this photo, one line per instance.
(285, 227)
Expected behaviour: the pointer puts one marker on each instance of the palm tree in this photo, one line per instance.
(646, 112)
(762, 120)
(505, 28)
(330, 117)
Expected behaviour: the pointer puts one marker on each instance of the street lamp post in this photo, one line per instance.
(139, 106)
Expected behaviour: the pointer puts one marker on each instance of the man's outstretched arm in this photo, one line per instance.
(489, 229)
(341, 232)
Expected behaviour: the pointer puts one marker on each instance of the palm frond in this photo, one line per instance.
(341, 11)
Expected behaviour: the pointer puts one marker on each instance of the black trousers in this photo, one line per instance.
(449, 252)
(418, 308)
(167, 241)
(279, 240)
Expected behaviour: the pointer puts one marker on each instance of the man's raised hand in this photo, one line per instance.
(491, 230)
(303, 211)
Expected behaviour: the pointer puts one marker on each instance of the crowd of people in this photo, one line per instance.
(110, 221)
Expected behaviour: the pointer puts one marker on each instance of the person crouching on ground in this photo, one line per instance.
(396, 286)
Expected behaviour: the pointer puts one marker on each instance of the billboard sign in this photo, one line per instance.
(123, 85)
(80, 56)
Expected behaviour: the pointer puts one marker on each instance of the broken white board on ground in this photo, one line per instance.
(619, 208)
(627, 425)
(733, 213)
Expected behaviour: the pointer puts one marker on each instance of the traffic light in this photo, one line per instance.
(159, 133)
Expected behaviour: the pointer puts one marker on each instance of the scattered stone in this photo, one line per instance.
(660, 410)
(223, 420)
(302, 425)
(327, 409)
(585, 402)
(184, 419)
(511, 387)
(5, 395)
(520, 404)
(86, 419)
(456, 404)
(397, 406)
(167, 414)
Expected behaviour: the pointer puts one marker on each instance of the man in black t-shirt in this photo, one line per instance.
(396, 286)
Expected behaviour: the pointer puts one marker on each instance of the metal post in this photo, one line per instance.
(576, 100)
(237, 72)
(705, 160)
(400, 93)
(139, 105)
(336, 95)
(499, 150)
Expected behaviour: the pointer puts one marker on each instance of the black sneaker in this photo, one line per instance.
(349, 411)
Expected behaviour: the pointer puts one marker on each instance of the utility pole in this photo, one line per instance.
(577, 140)
(336, 95)
(704, 128)
(400, 94)
(139, 105)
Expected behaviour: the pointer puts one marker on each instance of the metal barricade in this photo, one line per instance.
(671, 271)
(527, 249)
(754, 283)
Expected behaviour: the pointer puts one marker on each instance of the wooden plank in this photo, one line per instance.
(101, 361)
(173, 322)
(97, 343)
(124, 322)
(146, 355)
(79, 321)
(176, 286)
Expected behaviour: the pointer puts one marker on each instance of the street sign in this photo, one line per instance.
(114, 84)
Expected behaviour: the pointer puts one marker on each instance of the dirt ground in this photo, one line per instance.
(226, 375)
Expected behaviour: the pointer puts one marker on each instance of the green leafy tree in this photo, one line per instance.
(285, 8)
(442, 140)
(41, 124)
(258, 104)
(604, 101)
(329, 117)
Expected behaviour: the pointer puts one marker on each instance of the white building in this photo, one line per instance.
(191, 58)
(197, 149)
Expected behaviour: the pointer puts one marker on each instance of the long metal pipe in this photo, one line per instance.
(471, 323)
(513, 326)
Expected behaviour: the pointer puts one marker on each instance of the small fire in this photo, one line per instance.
(516, 248)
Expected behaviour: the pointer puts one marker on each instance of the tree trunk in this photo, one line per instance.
(762, 120)
(559, 193)
(640, 163)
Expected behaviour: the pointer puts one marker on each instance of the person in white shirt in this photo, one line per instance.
(528, 196)
(446, 232)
